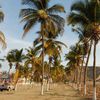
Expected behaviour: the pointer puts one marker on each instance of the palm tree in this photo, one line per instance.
(1, 16)
(25, 72)
(87, 45)
(38, 11)
(30, 57)
(2, 37)
(8, 58)
(50, 46)
(68, 72)
(57, 71)
(16, 57)
(2, 40)
(75, 58)
(81, 13)
(1, 63)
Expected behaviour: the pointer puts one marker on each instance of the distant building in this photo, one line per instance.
(4, 77)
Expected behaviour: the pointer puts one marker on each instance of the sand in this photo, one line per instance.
(57, 92)
(90, 89)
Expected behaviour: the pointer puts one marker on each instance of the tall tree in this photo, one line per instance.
(8, 58)
(16, 57)
(87, 45)
(2, 37)
(50, 21)
(30, 57)
(50, 46)
(75, 58)
(81, 13)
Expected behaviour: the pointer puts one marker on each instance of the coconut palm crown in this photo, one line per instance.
(80, 15)
(38, 11)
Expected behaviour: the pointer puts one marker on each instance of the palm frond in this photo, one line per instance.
(1, 16)
(60, 43)
(59, 21)
(2, 40)
(15, 56)
(78, 6)
(29, 24)
(98, 13)
(75, 18)
(56, 8)
(27, 62)
(31, 53)
(38, 48)
(44, 3)
(52, 27)
(32, 3)
(37, 41)
(27, 12)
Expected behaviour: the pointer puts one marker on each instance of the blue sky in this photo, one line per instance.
(13, 29)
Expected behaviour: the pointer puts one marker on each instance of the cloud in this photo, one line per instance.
(13, 43)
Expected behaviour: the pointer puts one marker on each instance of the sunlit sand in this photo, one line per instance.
(57, 92)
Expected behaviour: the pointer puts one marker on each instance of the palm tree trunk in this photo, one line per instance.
(16, 75)
(78, 73)
(33, 67)
(49, 74)
(10, 66)
(42, 83)
(72, 76)
(94, 73)
(80, 83)
(9, 73)
(75, 78)
(48, 83)
(86, 66)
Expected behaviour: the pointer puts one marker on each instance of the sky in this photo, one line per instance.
(13, 29)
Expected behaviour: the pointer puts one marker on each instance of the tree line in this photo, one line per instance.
(84, 19)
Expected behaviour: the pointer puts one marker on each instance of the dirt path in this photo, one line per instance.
(59, 92)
